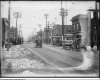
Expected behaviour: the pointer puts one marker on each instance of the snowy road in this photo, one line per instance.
(56, 56)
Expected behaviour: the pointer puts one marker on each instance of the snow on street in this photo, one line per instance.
(27, 62)
(17, 56)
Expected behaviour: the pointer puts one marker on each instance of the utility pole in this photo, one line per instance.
(48, 33)
(17, 15)
(21, 36)
(63, 14)
(46, 16)
(40, 31)
(16, 23)
(0, 34)
(20, 30)
(20, 33)
(8, 45)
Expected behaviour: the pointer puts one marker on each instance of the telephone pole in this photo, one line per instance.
(17, 15)
(46, 16)
(63, 14)
(16, 23)
(0, 31)
(8, 45)
(48, 33)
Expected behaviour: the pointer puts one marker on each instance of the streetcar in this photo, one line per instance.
(38, 42)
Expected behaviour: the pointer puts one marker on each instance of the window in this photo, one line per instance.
(74, 27)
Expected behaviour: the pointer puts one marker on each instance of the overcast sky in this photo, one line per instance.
(33, 13)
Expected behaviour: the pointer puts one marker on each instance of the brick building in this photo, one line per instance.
(80, 30)
(57, 34)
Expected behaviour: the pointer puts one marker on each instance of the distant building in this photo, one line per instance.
(68, 32)
(57, 30)
(47, 33)
(13, 33)
(57, 33)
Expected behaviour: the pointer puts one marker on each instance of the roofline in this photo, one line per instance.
(78, 16)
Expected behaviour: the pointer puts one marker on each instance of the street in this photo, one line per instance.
(49, 38)
(56, 56)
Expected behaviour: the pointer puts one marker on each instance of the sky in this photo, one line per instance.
(32, 13)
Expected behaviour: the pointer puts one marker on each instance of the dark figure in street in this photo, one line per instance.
(38, 43)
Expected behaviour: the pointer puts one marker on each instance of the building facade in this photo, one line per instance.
(13, 36)
(4, 30)
(57, 34)
(80, 30)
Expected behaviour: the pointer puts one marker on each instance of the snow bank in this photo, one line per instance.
(16, 51)
(18, 57)
(88, 57)
(24, 63)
